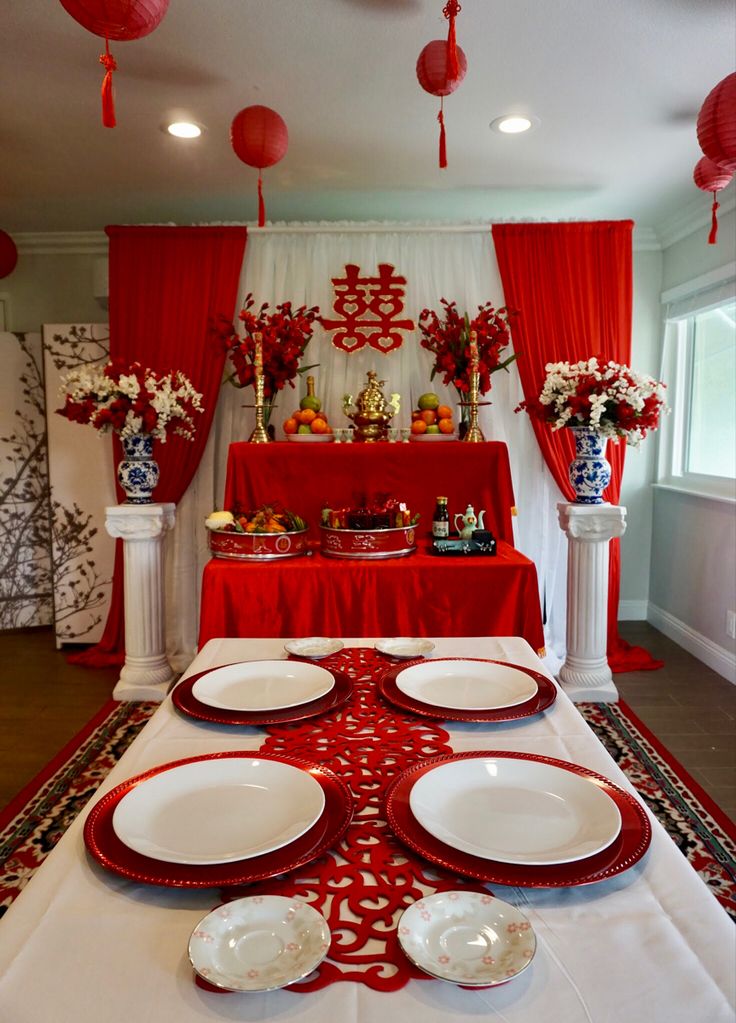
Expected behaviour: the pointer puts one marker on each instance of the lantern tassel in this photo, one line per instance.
(451, 11)
(108, 101)
(443, 139)
(713, 221)
(261, 204)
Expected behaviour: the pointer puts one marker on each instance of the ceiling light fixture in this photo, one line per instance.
(184, 129)
(513, 124)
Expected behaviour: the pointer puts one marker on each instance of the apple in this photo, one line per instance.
(433, 428)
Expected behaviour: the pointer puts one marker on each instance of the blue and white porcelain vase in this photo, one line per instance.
(589, 471)
(138, 473)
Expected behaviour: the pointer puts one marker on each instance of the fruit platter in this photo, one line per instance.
(382, 527)
(431, 420)
(309, 422)
(266, 534)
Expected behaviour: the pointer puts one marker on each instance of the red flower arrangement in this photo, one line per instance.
(448, 338)
(285, 333)
(130, 400)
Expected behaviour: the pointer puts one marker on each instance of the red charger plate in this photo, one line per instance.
(626, 850)
(544, 697)
(105, 846)
(185, 701)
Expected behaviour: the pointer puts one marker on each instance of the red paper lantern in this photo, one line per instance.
(260, 138)
(120, 20)
(8, 254)
(709, 177)
(717, 124)
(433, 73)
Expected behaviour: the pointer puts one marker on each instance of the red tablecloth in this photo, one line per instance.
(419, 595)
(305, 477)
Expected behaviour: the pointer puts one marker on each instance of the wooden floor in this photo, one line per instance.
(46, 701)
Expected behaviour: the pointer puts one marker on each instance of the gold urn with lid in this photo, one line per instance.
(372, 412)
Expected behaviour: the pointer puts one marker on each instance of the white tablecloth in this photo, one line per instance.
(81, 945)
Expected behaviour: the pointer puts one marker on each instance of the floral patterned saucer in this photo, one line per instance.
(258, 943)
(468, 938)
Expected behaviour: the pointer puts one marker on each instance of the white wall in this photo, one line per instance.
(693, 568)
(53, 288)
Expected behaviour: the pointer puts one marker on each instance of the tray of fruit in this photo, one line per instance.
(432, 420)
(382, 528)
(309, 422)
(266, 534)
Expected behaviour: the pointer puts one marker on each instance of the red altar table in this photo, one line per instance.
(422, 594)
(305, 477)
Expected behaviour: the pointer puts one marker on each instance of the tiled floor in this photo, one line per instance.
(45, 702)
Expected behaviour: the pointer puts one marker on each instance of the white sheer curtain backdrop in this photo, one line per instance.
(297, 263)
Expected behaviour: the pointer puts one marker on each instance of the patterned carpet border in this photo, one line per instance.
(35, 820)
(697, 826)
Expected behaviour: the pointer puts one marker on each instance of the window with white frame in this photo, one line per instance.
(697, 450)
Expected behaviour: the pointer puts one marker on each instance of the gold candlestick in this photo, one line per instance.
(474, 434)
(260, 434)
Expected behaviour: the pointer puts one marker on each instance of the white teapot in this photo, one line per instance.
(470, 522)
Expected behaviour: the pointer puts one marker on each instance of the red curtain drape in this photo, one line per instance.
(168, 286)
(572, 284)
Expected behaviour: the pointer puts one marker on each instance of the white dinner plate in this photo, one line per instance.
(467, 685)
(313, 646)
(515, 811)
(432, 436)
(311, 438)
(259, 943)
(262, 685)
(404, 647)
(468, 938)
(218, 811)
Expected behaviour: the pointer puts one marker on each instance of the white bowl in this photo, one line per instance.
(404, 647)
(467, 938)
(314, 647)
(259, 943)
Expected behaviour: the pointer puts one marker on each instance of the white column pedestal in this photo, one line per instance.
(585, 675)
(146, 674)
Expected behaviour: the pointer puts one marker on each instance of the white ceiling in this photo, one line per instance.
(616, 84)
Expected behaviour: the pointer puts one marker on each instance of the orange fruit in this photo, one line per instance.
(318, 425)
(419, 426)
(291, 425)
(306, 415)
(444, 412)
(445, 426)
(429, 416)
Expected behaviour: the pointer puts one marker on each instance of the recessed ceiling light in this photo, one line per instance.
(184, 129)
(513, 124)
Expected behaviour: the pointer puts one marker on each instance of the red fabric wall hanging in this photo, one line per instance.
(8, 254)
(259, 138)
(717, 124)
(573, 286)
(120, 20)
(709, 177)
(435, 77)
(168, 286)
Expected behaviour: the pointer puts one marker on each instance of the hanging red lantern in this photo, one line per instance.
(8, 254)
(717, 124)
(260, 138)
(433, 73)
(709, 177)
(120, 20)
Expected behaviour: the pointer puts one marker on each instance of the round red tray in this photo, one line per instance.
(104, 845)
(184, 700)
(627, 849)
(544, 697)
(257, 546)
(368, 543)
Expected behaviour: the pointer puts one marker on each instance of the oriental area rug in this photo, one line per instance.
(35, 820)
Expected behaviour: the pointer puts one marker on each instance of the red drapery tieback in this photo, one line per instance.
(168, 287)
(573, 286)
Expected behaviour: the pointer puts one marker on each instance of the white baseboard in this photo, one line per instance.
(632, 610)
(710, 653)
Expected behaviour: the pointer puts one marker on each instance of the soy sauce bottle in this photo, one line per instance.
(441, 519)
